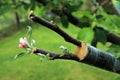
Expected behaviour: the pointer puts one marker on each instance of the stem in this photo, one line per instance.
(55, 28)
(53, 56)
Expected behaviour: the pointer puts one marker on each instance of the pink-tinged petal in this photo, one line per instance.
(20, 46)
(25, 40)
(24, 45)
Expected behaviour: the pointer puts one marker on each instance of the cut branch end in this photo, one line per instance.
(82, 51)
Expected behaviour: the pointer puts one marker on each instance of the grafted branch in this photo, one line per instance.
(85, 53)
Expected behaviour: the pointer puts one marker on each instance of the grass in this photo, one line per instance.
(29, 67)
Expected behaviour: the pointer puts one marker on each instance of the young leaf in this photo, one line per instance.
(48, 56)
(32, 42)
(64, 49)
(41, 56)
(86, 34)
(19, 55)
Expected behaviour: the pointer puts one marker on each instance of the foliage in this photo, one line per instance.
(30, 68)
(86, 34)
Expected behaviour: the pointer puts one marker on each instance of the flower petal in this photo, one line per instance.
(21, 40)
(20, 46)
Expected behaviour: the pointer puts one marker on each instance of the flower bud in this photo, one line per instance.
(22, 45)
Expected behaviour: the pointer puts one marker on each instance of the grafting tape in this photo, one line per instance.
(102, 60)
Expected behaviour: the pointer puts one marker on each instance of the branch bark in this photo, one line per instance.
(56, 29)
(67, 56)
(85, 53)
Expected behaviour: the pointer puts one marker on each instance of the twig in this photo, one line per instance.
(56, 29)
(67, 56)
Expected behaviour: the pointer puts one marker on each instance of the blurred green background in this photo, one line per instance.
(13, 25)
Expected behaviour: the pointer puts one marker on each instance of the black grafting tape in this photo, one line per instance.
(117, 66)
(102, 60)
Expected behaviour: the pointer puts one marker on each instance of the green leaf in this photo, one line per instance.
(86, 34)
(41, 56)
(100, 36)
(19, 55)
(81, 13)
(106, 21)
(32, 42)
(107, 24)
(64, 21)
(116, 20)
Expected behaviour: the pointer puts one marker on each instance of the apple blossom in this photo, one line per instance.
(23, 42)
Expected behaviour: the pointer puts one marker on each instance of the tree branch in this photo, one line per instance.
(67, 56)
(85, 53)
(56, 29)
